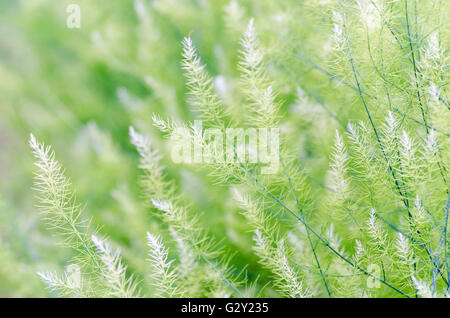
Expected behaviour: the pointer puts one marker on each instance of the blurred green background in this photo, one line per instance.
(80, 89)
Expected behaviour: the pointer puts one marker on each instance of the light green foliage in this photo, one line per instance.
(359, 205)
(113, 271)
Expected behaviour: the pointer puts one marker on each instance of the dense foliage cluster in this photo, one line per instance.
(359, 204)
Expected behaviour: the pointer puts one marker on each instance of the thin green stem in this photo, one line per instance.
(300, 210)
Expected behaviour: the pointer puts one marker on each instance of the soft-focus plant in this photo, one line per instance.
(358, 206)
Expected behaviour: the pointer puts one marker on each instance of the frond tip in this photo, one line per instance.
(200, 84)
(163, 275)
(64, 285)
(113, 270)
(262, 108)
(286, 278)
(338, 171)
(56, 200)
